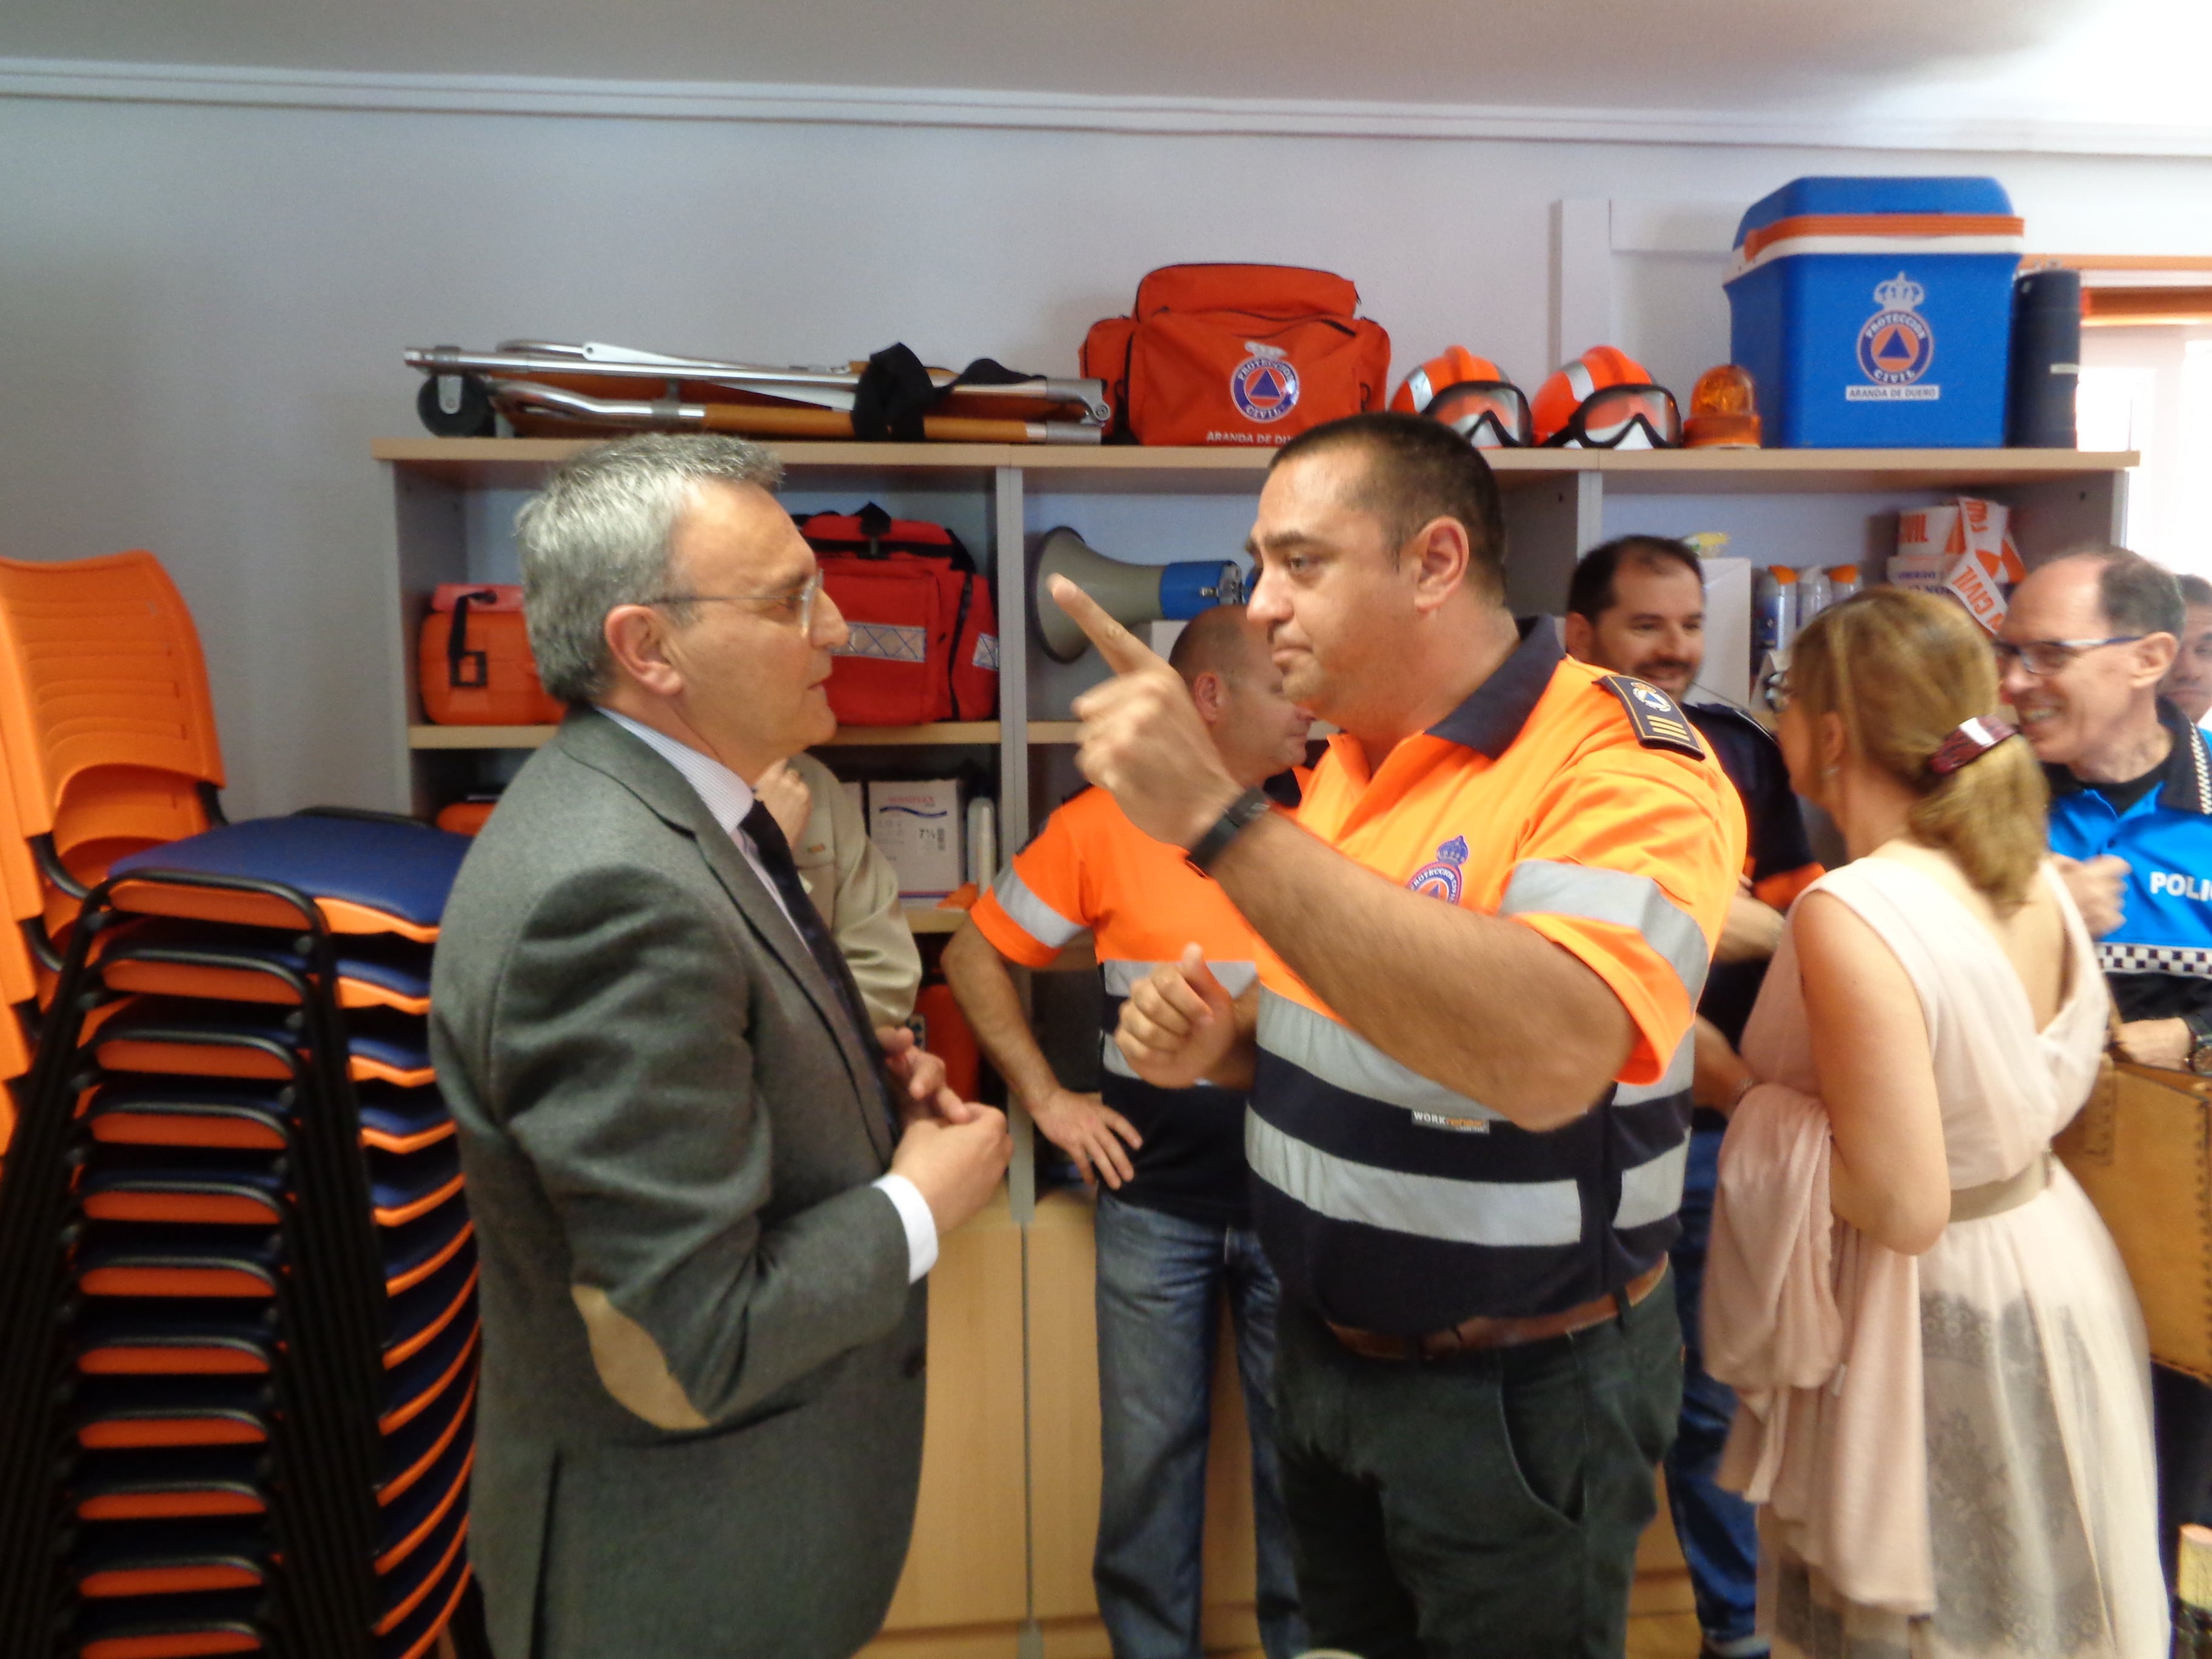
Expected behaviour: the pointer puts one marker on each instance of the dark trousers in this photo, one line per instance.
(2181, 1410)
(1485, 1506)
(1717, 1530)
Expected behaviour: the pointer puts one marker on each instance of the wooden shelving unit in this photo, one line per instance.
(453, 501)
(1011, 1295)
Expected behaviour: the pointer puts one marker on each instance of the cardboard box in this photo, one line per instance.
(1727, 631)
(916, 824)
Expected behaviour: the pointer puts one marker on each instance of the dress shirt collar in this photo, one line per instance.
(727, 796)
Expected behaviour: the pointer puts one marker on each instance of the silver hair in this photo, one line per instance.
(597, 536)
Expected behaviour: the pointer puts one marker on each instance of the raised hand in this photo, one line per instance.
(787, 798)
(1143, 741)
(1178, 1024)
(2099, 888)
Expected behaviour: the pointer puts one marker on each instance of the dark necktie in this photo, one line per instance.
(776, 858)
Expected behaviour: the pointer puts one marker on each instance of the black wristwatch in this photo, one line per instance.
(1251, 804)
(2200, 1043)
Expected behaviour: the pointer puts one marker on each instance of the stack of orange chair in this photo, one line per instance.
(238, 1318)
(108, 737)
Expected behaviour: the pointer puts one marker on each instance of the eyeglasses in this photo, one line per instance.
(795, 605)
(2042, 658)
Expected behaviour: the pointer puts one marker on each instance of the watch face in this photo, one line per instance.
(2200, 1059)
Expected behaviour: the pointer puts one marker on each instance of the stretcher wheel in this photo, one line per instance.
(455, 406)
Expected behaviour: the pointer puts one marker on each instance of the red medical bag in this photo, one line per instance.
(1238, 355)
(924, 641)
(473, 660)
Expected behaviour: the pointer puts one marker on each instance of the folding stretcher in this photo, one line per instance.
(545, 387)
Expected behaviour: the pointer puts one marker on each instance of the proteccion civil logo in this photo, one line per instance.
(1896, 347)
(1264, 387)
(1442, 878)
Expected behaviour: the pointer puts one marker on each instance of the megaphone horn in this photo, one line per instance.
(1133, 594)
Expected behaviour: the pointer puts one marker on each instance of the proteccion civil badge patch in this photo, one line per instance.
(1440, 878)
(1659, 723)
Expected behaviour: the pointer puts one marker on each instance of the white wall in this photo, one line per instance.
(202, 307)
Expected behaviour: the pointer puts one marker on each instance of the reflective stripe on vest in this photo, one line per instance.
(1613, 897)
(1031, 914)
(1492, 1212)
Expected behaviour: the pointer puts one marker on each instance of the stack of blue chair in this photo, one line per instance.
(238, 1326)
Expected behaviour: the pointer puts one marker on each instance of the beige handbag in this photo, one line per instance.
(2141, 1149)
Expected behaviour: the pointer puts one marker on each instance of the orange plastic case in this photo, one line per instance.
(473, 661)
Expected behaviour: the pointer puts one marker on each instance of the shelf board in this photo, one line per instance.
(480, 737)
(513, 462)
(945, 732)
(933, 918)
(1844, 472)
(1128, 468)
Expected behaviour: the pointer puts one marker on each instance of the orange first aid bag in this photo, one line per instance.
(1238, 355)
(473, 660)
(923, 635)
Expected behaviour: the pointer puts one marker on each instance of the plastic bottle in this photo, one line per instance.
(982, 843)
(1812, 594)
(1773, 609)
(1843, 582)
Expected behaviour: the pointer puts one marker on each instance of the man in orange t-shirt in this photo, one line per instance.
(1174, 1224)
(1468, 1050)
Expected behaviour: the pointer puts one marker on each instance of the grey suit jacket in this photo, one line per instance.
(700, 1427)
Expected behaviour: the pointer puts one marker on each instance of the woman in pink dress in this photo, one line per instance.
(1940, 999)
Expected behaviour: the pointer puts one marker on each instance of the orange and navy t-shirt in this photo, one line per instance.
(1090, 870)
(1582, 806)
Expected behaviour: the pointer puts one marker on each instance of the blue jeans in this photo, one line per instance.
(1717, 1529)
(1161, 1279)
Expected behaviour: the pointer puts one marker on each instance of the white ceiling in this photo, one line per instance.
(2090, 60)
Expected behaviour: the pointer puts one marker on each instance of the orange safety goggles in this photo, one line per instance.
(1488, 414)
(1622, 417)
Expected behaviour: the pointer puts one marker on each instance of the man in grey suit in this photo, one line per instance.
(705, 1194)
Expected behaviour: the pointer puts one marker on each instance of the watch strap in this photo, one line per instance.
(1233, 822)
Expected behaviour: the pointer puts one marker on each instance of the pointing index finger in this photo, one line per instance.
(1125, 653)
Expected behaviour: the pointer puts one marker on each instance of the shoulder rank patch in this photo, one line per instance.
(1658, 722)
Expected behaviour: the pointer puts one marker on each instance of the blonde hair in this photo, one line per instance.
(1901, 670)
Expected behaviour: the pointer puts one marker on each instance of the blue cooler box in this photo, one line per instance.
(1876, 313)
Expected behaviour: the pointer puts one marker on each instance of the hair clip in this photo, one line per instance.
(1969, 740)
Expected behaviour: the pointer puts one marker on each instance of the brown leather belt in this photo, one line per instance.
(1481, 1333)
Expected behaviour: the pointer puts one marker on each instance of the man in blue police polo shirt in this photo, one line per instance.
(2087, 639)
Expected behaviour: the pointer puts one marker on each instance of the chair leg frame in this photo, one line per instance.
(323, 1504)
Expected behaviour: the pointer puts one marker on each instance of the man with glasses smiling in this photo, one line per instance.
(2082, 651)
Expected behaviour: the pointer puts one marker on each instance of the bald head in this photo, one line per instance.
(1222, 641)
(1223, 657)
